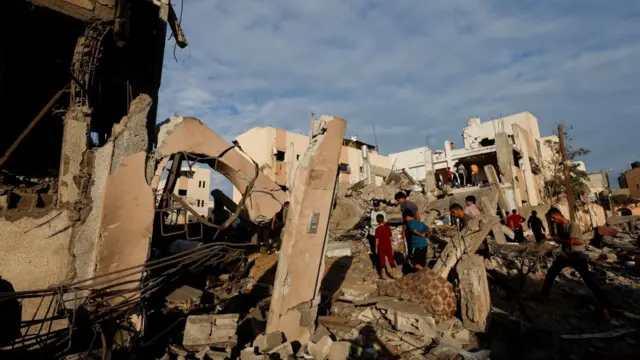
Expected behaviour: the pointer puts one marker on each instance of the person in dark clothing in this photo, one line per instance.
(462, 218)
(573, 248)
(535, 224)
(406, 205)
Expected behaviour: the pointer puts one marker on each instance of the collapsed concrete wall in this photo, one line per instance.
(295, 299)
(190, 135)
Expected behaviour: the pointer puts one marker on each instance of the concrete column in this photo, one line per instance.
(529, 179)
(489, 207)
(295, 298)
(490, 171)
(504, 153)
(475, 301)
(75, 139)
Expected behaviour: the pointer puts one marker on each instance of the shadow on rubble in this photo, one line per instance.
(524, 326)
(332, 281)
(369, 346)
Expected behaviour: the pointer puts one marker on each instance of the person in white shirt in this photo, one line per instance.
(472, 209)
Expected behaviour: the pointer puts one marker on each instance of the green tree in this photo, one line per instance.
(554, 184)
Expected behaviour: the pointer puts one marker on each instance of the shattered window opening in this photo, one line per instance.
(280, 155)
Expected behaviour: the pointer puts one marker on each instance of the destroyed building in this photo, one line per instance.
(278, 153)
(511, 144)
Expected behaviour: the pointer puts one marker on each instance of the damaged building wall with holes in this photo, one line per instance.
(82, 78)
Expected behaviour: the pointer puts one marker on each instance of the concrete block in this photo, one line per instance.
(251, 354)
(358, 291)
(369, 315)
(269, 341)
(408, 317)
(474, 293)
(185, 298)
(321, 349)
(210, 330)
(321, 332)
(338, 249)
(284, 351)
(339, 350)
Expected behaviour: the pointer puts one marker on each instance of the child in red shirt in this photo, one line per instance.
(384, 249)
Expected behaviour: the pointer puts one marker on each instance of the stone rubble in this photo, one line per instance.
(416, 315)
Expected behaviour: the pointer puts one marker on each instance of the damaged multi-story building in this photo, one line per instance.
(512, 144)
(82, 160)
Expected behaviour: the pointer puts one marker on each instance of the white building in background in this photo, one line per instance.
(512, 144)
(278, 152)
(194, 187)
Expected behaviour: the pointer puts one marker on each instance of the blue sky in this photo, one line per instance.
(412, 68)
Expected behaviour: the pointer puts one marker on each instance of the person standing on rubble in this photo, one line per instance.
(384, 247)
(569, 236)
(514, 222)
(462, 218)
(371, 236)
(462, 175)
(472, 209)
(535, 224)
(419, 234)
(475, 173)
(405, 206)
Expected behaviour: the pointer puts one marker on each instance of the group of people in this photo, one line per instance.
(416, 235)
(458, 176)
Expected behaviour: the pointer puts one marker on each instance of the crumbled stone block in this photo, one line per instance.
(284, 351)
(184, 298)
(339, 350)
(267, 342)
(475, 299)
(320, 350)
(338, 249)
(210, 330)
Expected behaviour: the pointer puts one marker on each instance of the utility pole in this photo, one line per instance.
(567, 174)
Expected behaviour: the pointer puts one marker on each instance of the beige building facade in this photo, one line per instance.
(194, 187)
(278, 153)
(512, 144)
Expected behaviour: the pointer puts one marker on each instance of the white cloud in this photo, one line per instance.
(412, 68)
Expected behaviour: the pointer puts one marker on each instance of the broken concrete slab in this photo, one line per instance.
(338, 249)
(184, 298)
(321, 349)
(355, 292)
(284, 351)
(409, 317)
(371, 300)
(251, 354)
(295, 299)
(475, 300)
(270, 341)
(184, 134)
(369, 315)
(210, 331)
(467, 243)
(339, 350)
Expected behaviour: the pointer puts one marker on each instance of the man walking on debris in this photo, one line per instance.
(569, 237)
(462, 218)
(472, 209)
(535, 224)
(419, 234)
(371, 237)
(384, 247)
(514, 222)
(406, 205)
